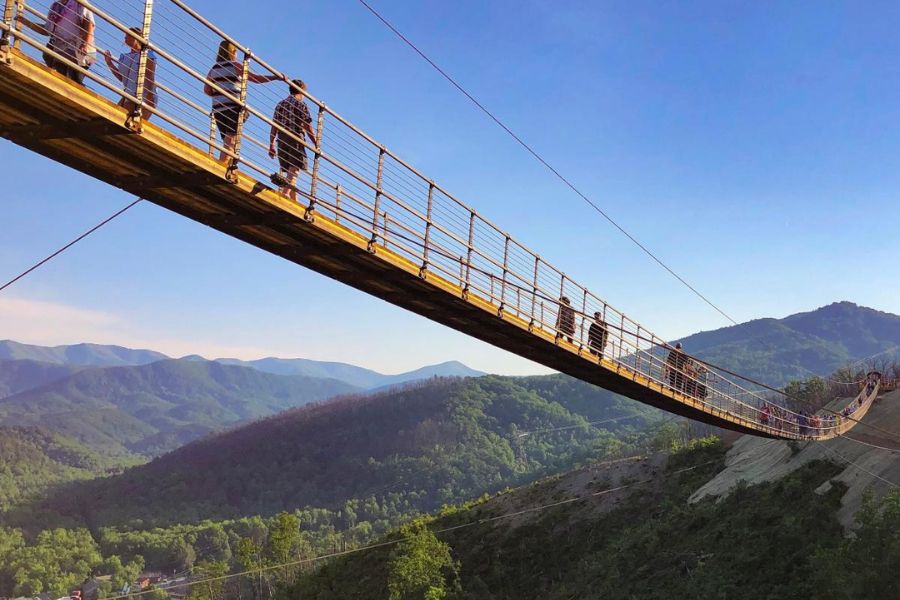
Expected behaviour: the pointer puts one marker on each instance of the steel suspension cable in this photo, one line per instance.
(701, 361)
(477, 522)
(544, 162)
(569, 184)
(863, 469)
(44, 261)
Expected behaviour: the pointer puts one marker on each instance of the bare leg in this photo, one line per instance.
(292, 179)
(228, 143)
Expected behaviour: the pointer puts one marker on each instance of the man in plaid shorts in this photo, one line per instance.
(292, 115)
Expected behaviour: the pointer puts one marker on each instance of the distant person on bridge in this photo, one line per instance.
(226, 75)
(597, 335)
(565, 320)
(126, 70)
(70, 27)
(293, 115)
(676, 365)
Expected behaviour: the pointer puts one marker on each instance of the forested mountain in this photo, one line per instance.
(32, 460)
(99, 355)
(626, 531)
(89, 355)
(415, 448)
(820, 341)
(25, 374)
(358, 376)
(154, 408)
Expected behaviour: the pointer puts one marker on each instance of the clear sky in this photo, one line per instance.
(753, 145)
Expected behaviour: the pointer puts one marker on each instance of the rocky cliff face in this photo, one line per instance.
(755, 460)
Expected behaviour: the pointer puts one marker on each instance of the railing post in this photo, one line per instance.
(428, 211)
(320, 122)
(469, 250)
(384, 221)
(9, 7)
(505, 271)
(637, 351)
(337, 203)
(583, 317)
(534, 289)
(212, 134)
(136, 118)
(379, 180)
(231, 173)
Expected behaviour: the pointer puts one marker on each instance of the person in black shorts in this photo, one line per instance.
(223, 86)
(293, 124)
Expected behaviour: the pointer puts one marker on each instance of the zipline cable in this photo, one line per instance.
(44, 261)
(863, 469)
(443, 530)
(562, 178)
(544, 162)
(522, 434)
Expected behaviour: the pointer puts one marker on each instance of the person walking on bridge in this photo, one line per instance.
(224, 87)
(597, 335)
(565, 320)
(70, 27)
(676, 365)
(293, 124)
(126, 70)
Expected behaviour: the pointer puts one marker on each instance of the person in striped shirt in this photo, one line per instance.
(223, 86)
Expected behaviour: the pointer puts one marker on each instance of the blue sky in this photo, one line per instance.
(752, 145)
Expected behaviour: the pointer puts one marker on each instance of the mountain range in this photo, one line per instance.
(776, 351)
(121, 401)
(425, 444)
(97, 355)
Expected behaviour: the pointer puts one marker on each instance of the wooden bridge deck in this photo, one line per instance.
(70, 124)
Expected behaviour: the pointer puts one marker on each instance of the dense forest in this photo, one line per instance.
(333, 476)
(33, 460)
(410, 449)
(347, 470)
(776, 540)
(778, 350)
(153, 408)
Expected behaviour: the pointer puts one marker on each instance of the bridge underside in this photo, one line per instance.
(42, 111)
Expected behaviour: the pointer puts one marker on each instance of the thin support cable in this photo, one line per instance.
(546, 164)
(863, 469)
(69, 245)
(483, 521)
(869, 444)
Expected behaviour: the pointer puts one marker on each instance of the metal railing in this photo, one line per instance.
(358, 182)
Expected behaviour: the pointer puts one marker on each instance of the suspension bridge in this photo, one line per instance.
(365, 217)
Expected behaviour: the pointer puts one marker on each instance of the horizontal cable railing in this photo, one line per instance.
(350, 177)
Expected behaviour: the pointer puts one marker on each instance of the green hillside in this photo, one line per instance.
(32, 460)
(21, 375)
(820, 341)
(151, 409)
(413, 449)
(776, 540)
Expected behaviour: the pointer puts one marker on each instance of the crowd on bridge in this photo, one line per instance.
(71, 51)
(807, 424)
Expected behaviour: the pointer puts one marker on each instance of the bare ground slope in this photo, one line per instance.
(755, 460)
